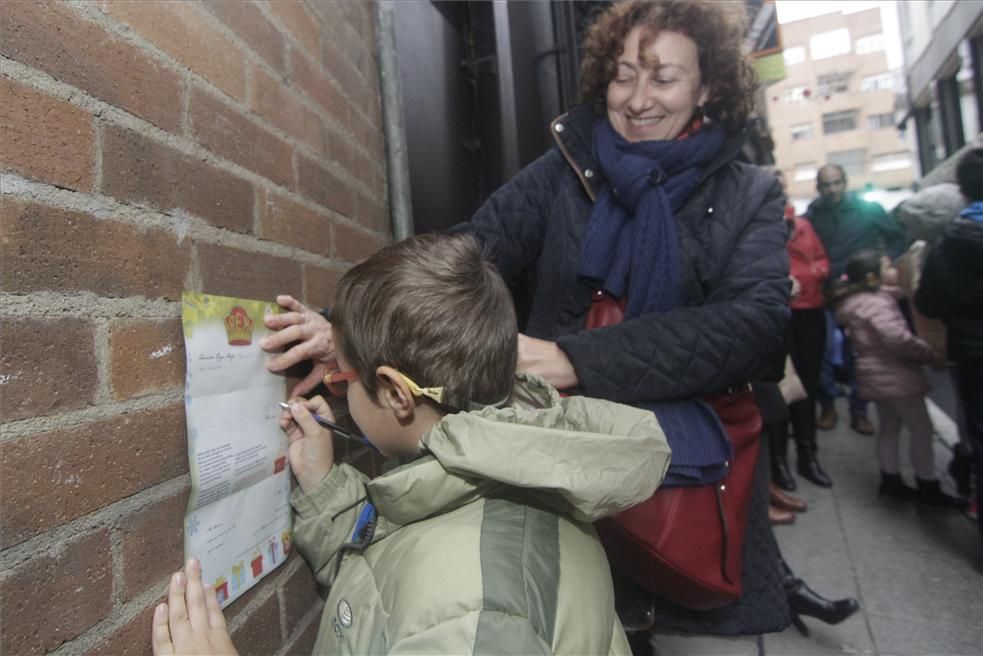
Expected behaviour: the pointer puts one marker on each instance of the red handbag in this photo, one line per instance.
(684, 543)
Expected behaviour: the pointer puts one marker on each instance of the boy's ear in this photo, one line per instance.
(395, 393)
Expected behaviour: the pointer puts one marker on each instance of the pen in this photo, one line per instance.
(334, 428)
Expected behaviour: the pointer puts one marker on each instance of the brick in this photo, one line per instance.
(337, 65)
(145, 357)
(55, 38)
(57, 476)
(370, 137)
(178, 29)
(46, 366)
(346, 156)
(303, 644)
(353, 244)
(275, 101)
(231, 272)
(355, 42)
(371, 211)
(317, 87)
(140, 170)
(301, 24)
(300, 596)
(260, 635)
(248, 22)
(44, 138)
(320, 285)
(153, 544)
(288, 222)
(324, 187)
(228, 133)
(56, 596)
(47, 248)
(132, 639)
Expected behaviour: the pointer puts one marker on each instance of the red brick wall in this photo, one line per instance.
(145, 148)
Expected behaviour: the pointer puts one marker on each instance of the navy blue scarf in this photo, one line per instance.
(631, 246)
(632, 228)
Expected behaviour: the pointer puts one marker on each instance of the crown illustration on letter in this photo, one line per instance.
(239, 327)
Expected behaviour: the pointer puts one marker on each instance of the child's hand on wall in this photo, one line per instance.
(310, 334)
(191, 622)
(311, 446)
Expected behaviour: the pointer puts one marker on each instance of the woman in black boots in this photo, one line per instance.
(809, 268)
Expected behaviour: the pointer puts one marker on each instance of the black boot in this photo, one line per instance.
(802, 600)
(930, 494)
(892, 486)
(811, 470)
(961, 468)
(781, 475)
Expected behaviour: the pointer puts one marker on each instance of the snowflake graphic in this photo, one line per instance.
(193, 524)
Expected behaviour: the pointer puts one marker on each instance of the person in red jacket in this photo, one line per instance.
(808, 268)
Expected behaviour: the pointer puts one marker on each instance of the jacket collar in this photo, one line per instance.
(574, 136)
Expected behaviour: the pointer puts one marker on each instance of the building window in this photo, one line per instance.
(801, 132)
(877, 82)
(795, 95)
(795, 55)
(868, 44)
(830, 44)
(833, 83)
(852, 161)
(890, 162)
(805, 172)
(839, 121)
(880, 121)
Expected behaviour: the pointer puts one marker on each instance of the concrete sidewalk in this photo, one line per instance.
(915, 571)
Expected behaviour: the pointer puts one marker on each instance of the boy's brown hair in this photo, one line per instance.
(435, 309)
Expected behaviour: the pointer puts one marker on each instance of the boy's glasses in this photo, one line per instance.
(337, 381)
(337, 384)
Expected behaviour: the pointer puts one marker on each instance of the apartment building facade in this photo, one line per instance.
(837, 104)
(942, 42)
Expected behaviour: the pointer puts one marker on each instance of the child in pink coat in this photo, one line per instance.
(889, 359)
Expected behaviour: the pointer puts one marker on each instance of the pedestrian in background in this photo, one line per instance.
(951, 289)
(889, 372)
(846, 223)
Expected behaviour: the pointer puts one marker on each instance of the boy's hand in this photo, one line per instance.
(191, 622)
(311, 445)
(310, 334)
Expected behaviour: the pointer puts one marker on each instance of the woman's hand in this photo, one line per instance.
(547, 360)
(191, 622)
(311, 335)
(311, 447)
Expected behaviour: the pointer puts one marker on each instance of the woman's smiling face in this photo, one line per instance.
(654, 94)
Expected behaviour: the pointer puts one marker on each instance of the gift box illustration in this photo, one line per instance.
(257, 564)
(221, 589)
(285, 540)
(238, 576)
(274, 548)
(239, 327)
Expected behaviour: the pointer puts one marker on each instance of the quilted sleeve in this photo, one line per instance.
(892, 330)
(735, 337)
(512, 222)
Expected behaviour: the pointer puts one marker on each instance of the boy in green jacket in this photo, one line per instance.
(481, 540)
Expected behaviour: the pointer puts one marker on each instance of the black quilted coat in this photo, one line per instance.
(734, 283)
(728, 331)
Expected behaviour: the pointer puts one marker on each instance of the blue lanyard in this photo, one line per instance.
(366, 517)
